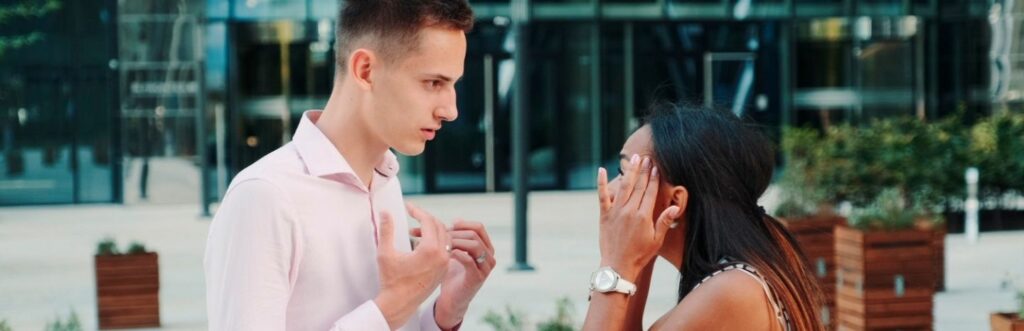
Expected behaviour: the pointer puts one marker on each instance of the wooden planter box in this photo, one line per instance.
(816, 237)
(885, 279)
(939, 248)
(127, 291)
(1006, 322)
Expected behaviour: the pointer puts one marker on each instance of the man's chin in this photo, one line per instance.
(414, 149)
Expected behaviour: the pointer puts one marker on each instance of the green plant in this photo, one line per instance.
(71, 324)
(562, 321)
(888, 212)
(800, 190)
(136, 248)
(27, 9)
(1020, 303)
(793, 209)
(4, 326)
(997, 149)
(923, 161)
(106, 247)
(514, 320)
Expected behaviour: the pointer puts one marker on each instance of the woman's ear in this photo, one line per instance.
(679, 197)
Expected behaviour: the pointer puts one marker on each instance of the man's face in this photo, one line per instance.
(413, 95)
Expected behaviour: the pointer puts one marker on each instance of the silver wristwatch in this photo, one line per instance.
(606, 280)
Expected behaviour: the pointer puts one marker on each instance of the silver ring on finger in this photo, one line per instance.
(448, 248)
(482, 258)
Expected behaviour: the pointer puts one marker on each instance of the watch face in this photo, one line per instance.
(604, 280)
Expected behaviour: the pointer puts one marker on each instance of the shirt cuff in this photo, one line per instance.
(428, 322)
(365, 317)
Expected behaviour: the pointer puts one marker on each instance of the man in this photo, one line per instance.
(314, 235)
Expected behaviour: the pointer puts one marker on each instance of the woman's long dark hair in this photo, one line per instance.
(726, 165)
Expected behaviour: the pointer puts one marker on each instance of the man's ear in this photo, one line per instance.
(679, 197)
(361, 64)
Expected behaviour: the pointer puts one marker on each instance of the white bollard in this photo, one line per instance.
(971, 207)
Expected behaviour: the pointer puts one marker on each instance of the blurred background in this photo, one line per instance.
(157, 101)
(129, 118)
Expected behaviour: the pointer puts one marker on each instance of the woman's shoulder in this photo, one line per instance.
(731, 300)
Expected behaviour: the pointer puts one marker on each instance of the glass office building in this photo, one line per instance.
(223, 82)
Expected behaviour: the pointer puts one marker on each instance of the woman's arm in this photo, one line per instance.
(637, 302)
(629, 240)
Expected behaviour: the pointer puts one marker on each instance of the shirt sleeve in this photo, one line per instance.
(365, 317)
(427, 321)
(250, 254)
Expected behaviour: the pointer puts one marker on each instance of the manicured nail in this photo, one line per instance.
(635, 159)
(654, 172)
(647, 163)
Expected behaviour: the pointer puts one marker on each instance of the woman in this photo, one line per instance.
(687, 191)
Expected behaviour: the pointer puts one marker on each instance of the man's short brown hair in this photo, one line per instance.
(391, 27)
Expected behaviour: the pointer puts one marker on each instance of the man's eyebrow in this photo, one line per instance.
(441, 77)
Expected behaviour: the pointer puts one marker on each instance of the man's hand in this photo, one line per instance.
(408, 279)
(471, 262)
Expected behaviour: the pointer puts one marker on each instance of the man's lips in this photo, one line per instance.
(429, 134)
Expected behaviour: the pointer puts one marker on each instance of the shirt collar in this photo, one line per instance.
(320, 156)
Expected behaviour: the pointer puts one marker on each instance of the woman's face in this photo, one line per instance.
(640, 143)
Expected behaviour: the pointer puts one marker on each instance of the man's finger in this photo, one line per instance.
(443, 238)
(467, 261)
(471, 236)
(428, 228)
(473, 247)
(477, 228)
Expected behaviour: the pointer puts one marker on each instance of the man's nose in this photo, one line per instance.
(449, 110)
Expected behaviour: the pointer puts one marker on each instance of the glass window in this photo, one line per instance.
(565, 120)
(216, 56)
(264, 9)
(217, 9)
(93, 107)
(325, 9)
(469, 153)
(56, 112)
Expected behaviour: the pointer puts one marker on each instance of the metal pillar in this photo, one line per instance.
(520, 131)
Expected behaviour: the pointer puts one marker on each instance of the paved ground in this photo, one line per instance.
(46, 261)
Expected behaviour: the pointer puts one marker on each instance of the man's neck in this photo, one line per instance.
(348, 132)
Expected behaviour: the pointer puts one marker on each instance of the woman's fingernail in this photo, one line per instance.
(654, 172)
(647, 163)
(635, 159)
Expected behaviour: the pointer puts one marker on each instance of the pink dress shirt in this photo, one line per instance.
(293, 244)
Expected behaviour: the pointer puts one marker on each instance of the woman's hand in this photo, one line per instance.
(630, 238)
